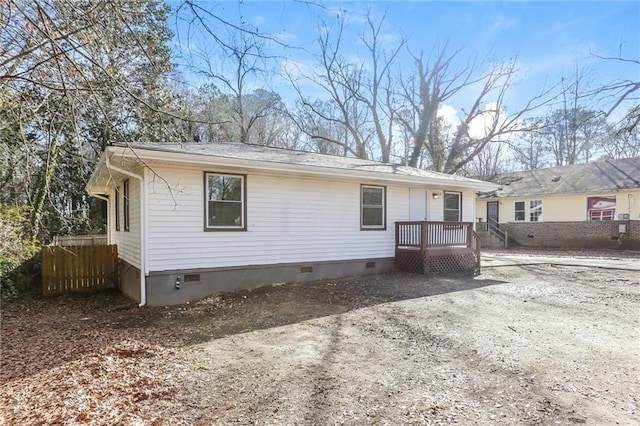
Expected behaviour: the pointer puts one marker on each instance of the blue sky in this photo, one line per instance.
(550, 39)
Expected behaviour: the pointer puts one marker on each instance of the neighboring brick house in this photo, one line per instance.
(593, 205)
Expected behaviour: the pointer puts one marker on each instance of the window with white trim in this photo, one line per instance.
(125, 202)
(373, 207)
(452, 206)
(535, 210)
(519, 212)
(225, 203)
(117, 207)
(601, 208)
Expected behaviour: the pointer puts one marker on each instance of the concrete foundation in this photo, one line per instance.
(129, 280)
(196, 284)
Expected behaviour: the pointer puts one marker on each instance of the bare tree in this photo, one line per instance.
(622, 144)
(572, 132)
(362, 93)
(528, 147)
(274, 127)
(232, 60)
(378, 94)
(207, 112)
(245, 57)
(321, 131)
(622, 92)
(488, 163)
(78, 76)
(435, 82)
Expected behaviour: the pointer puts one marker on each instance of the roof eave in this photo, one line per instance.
(90, 187)
(191, 158)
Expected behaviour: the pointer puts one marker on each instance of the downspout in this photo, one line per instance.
(143, 281)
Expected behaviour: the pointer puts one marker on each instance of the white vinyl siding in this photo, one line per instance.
(435, 207)
(289, 219)
(468, 206)
(128, 242)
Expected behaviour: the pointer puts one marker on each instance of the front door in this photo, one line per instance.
(418, 204)
(492, 214)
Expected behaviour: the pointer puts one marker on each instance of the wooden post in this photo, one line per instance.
(397, 235)
(423, 236)
(469, 235)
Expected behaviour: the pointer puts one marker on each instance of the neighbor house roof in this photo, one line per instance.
(596, 177)
(287, 160)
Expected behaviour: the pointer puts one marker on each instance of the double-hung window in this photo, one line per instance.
(117, 207)
(225, 202)
(535, 210)
(452, 204)
(519, 212)
(125, 199)
(373, 207)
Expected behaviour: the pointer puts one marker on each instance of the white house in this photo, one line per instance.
(192, 220)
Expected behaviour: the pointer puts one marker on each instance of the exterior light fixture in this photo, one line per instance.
(436, 195)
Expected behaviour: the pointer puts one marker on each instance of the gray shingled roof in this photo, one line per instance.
(596, 177)
(287, 156)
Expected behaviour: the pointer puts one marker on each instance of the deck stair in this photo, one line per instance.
(492, 234)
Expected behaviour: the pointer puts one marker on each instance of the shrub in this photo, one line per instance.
(19, 253)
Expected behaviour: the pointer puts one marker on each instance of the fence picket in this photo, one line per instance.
(76, 269)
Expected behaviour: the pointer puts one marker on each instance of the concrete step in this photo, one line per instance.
(489, 240)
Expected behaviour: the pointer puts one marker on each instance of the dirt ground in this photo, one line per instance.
(536, 344)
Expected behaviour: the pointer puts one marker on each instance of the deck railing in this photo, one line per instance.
(434, 234)
(432, 247)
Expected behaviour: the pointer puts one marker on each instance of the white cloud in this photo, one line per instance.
(296, 69)
(287, 38)
(390, 39)
(450, 115)
(258, 21)
(502, 23)
(481, 125)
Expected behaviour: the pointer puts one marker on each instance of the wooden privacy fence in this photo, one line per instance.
(80, 240)
(78, 269)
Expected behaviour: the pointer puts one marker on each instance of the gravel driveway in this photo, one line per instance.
(530, 344)
(535, 344)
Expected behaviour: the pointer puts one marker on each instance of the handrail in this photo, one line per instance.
(494, 228)
(482, 226)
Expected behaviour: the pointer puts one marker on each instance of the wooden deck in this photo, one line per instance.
(437, 247)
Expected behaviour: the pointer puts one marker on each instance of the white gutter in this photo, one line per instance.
(175, 157)
(143, 281)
